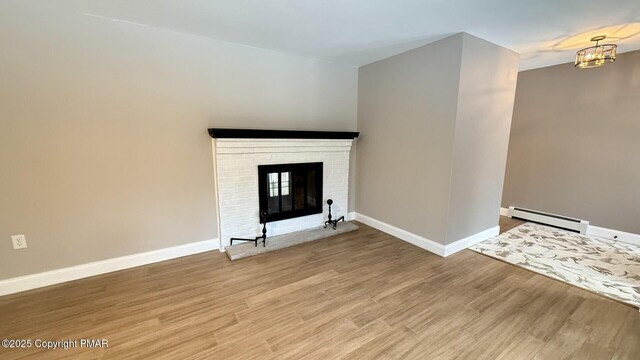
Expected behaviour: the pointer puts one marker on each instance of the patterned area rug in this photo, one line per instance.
(610, 268)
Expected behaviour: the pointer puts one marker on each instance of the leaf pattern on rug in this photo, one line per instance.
(607, 267)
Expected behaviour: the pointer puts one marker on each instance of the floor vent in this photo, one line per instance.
(558, 221)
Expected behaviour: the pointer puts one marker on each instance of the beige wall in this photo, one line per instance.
(575, 143)
(406, 113)
(103, 143)
(435, 127)
(488, 78)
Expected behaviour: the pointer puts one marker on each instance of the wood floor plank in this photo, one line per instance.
(545, 326)
(566, 342)
(360, 295)
(343, 345)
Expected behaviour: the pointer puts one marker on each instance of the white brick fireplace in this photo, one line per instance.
(236, 163)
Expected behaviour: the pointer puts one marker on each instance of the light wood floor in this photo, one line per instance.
(507, 223)
(361, 295)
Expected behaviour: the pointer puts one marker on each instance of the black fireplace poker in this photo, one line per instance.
(263, 220)
(332, 222)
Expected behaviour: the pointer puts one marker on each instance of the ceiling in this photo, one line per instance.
(358, 32)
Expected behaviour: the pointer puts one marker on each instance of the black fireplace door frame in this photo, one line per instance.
(296, 168)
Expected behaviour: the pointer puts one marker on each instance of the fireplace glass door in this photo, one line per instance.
(290, 190)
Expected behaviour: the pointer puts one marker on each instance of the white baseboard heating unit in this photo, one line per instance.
(558, 221)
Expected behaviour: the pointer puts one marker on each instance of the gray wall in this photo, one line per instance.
(575, 143)
(103, 143)
(435, 127)
(406, 113)
(485, 106)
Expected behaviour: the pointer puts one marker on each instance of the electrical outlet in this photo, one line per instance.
(19, 242)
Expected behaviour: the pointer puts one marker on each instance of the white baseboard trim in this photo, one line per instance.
(504, 212)
(401, 234)
(612, 234)
(28, 282)
(469, 241)
(429, 245)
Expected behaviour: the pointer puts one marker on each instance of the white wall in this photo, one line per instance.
(435, 129)
(406, 113)
(103, 143)
(488, 77)
(575, 143)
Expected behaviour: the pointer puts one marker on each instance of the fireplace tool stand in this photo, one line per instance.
(263, 220)
(332, 222)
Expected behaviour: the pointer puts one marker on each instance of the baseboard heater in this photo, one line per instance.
(558, 221)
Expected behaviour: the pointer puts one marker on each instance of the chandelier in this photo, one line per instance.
(597, 55)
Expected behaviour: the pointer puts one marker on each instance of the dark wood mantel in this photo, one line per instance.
(279, 134)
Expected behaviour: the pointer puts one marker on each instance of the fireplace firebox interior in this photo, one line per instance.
(290, 190)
